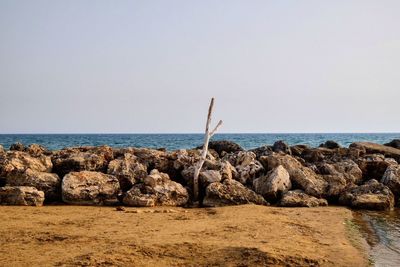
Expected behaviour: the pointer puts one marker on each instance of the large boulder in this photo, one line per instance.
(303, 177)
(230, 192)
(297, 150)
(82, 159)
(372, 148)
(90, 188)
(21, 195)
(128, 170)
(281, 146)
(391, 178)
(297, 198)
(37, 150)
(274, 184)
(374, 166)
(17, 147)
(394, 143)
(330, 144)
(19, 162)
(247, 166)
(371, 195)
(223, 146)
(49, 183)
(261, 151)
(156, 190)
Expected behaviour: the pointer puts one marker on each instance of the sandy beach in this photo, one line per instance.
(246, 235)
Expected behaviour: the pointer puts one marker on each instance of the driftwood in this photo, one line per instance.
(207, 137)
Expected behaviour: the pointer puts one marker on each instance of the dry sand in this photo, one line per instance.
(229, 236)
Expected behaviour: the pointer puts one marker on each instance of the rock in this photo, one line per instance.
(394, 143)
(312, 183)
(330, 144)
(228, 171)
(297, 150)
(157, 190)
(391, 178)
(37, 150)
(17, 147)
(223, 146)
(281, 146)
(19, 162)
(246, 165)
(230, 192)
(128, 171)
(49, 183)
(274, 184)
(90, 188)
(210, 176)
(261, 151)
(156, 159)
(82, 159)
(297, 198)
(346, 169)
(21, 195)
(371, 195)
(372, 148)
(374, 166)
(2, 151)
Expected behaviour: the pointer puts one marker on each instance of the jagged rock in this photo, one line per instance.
(156, 159)
(210, 176)
(297, 198)
(391, 178)
(228, 171)
(2, 151)
(281, 146)
(157, 190)
(90, 188)
(19, 162)
(82, 159)
(297, 150)
(330, 144)
(261, 151)
(312, 183)
(374, 166)
(394, 143)
(49, 183)
(274, 184)
(37, 150)
(128, 171)
(230, 192)
(21, 195)
(371, 195)
(246, 165)
(223, 146)
(17, 147)
(372, 148)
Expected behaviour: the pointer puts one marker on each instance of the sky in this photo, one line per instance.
(152, 66)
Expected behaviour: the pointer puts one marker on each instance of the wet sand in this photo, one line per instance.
(229, 236)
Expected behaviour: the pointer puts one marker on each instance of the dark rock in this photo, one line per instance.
(90, 188)
(21, 195)
(372, 148)
(17, 147)
(223, 146)
(374, 166)
(281, 146)
(330, 144)
(230, 192)
(371, 195)
(298, 150)
(157, 190)
(394, 143)
(297, 198)
(262, 151)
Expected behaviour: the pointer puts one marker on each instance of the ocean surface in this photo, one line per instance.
(179, 141)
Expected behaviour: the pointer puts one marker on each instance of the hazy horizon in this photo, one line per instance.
(152, 66)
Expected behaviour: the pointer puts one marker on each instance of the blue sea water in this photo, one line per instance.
(179, 141)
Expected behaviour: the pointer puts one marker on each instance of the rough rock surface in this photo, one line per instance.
(2, 151)
(274, 184)
(297, 198)
(224, 146)
(49, 183)
(394, 143)
(371, 195)
(230, 192)
(374, 166)
(312, 183)
(391, 178)
(281, 146)
(156, 190)
(17, 161)
(21, 195)
(37, 150)
(17, 147)
(246, 165)
(372, 148)
(82, 159)
(330, 144)
(90, 188)
(128, 171)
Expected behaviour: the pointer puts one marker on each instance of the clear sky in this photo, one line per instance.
(152, 66)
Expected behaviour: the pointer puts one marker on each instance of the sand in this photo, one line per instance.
(229, 236)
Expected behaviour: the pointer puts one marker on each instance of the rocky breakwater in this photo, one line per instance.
(362, 176)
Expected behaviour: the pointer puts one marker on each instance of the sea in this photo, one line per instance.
(380, 229)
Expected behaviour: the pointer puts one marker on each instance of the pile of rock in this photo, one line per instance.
(364, 175)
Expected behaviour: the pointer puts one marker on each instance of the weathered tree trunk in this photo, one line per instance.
(203, 157)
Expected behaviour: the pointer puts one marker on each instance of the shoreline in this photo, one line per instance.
(232, 235)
